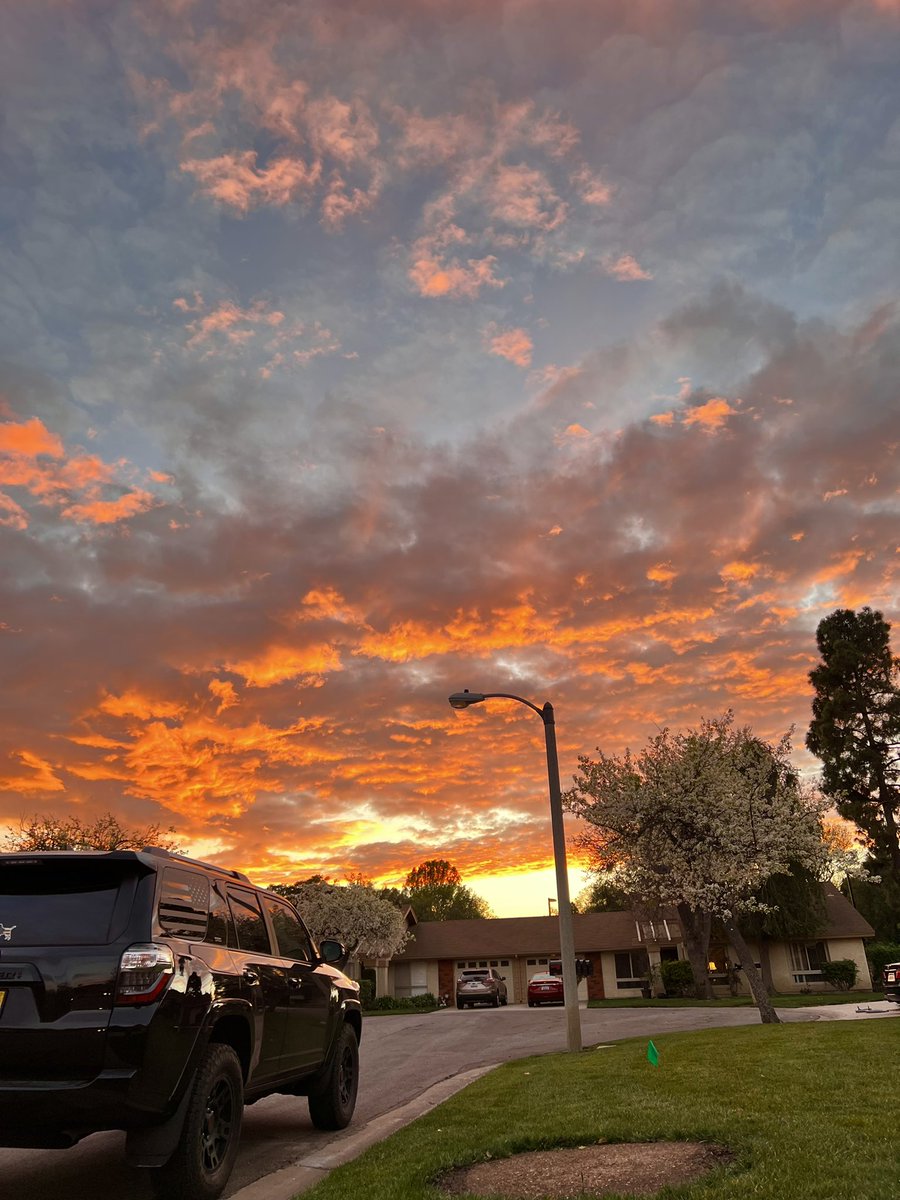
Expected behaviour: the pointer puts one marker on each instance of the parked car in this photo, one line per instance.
(152, 993)
(545, 988)
(481, 985)
(891, 982)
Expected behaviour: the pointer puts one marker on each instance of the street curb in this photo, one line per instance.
(314, 1167)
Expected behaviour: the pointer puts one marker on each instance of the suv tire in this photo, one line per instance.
(333, 1099)
(202, 1162)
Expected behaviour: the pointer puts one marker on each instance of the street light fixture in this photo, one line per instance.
(460, 700)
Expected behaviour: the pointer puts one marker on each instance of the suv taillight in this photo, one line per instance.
(144, 973)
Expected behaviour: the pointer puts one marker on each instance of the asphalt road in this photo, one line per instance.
(401, 1057)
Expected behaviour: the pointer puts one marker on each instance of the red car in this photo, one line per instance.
(545, 989)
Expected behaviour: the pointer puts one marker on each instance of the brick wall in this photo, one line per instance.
(595, 982)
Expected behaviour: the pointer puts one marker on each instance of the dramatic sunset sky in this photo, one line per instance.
(353, 352)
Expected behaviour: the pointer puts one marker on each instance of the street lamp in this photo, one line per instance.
(463, 699)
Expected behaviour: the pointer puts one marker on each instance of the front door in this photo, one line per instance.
(310, 989)
(265, 981)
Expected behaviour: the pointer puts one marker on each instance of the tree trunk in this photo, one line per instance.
(761, 997)
(765, 960)
(696, 926)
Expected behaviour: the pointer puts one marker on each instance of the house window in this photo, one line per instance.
(410, 979)
(494, 962)
(632, 969)
(460, 964)
(504, 962)
(807, 959)
(543, 961)
(483, 963)
(532, 962)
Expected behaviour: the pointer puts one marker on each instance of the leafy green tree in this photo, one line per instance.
(604, 893)
(855, 727)
(106, 832)
(793, 907)
(436, 892)
(436, 872)
(701, 820)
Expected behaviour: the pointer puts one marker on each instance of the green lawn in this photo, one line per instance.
(808, 1108)
(791, 1001)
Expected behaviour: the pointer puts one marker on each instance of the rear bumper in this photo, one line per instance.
(50, 1113)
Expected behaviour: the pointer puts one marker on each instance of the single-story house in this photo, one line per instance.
(622, 946)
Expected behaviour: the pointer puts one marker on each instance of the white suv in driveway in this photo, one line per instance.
(481, 985)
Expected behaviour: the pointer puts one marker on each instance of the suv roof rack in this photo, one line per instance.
(159, 852)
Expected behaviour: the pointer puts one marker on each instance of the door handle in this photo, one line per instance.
(251, 976)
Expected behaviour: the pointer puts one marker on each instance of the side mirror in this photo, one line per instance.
(333, 953)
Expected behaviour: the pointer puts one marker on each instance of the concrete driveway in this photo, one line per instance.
(408, 1065)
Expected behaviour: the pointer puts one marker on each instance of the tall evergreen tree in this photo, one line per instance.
(855, 727)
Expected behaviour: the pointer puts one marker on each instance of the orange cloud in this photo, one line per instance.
(37, 778)
(235, 180)
(740, 572)
(29, 439)
(512, 344)
(662, 573)
(77, 486)
(132, 703)
(281, 663)
(432, 277)
(626, 269)
(709, 416)
(523, 197)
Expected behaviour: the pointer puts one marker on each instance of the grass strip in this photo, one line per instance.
(808, 1108)
(790, 1001)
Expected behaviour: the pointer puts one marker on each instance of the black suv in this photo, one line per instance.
(891, 982)
(145, 991)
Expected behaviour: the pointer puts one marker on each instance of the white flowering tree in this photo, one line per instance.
(701, 820)
(352, 913)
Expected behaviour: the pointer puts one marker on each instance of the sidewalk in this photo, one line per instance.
(852, 1011)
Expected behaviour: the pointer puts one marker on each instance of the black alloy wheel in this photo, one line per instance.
(333, 1099)
(201, 1165)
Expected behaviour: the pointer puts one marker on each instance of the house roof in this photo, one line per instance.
(843, 919)
(511, 936)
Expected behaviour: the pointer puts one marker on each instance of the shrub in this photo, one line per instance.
(381, 1003)
(841, 973)
(677, 977)
(879, 955)
(366, 993)
(426, 1000)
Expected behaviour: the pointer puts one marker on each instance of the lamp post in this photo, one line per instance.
(564, 907)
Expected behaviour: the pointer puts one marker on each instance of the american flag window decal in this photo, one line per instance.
(184, 904)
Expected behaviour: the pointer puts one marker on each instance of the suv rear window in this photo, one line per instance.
(60, 903)
(183, 904)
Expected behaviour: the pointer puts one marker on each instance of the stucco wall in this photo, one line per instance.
(783, 971)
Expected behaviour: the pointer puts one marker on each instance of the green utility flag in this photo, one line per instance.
(652, 1054)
